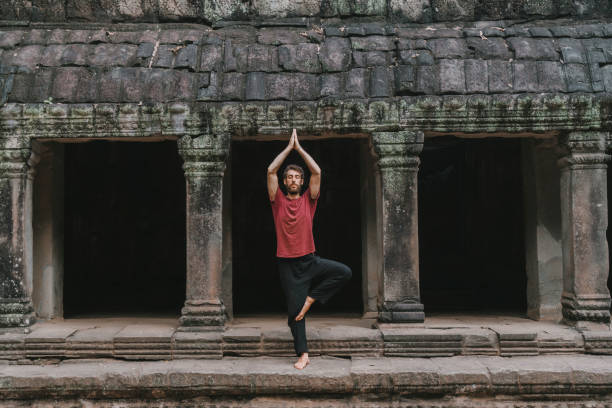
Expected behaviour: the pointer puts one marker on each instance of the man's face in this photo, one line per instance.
(293, 182)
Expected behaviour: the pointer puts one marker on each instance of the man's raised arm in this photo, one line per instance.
(275, 165)
(315, 170)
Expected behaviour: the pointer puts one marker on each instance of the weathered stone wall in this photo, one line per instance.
(211, 11)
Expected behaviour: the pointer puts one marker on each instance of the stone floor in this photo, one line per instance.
(158, 338)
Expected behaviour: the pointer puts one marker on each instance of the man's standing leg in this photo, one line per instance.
(295, 285)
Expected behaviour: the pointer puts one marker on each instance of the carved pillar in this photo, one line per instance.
(398, 161)
(584, 220)
(16, 175)
(204, 164)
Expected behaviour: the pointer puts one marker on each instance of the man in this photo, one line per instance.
(298, 265)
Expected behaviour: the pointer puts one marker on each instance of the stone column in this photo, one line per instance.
(543, 252)
(16, 175)
(398, 162)
(584, 220)
(204, 164)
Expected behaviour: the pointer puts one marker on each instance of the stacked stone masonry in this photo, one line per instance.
(120, 64)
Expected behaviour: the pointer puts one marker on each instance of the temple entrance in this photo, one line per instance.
(337, 223)
(471, 239)
(124, 229)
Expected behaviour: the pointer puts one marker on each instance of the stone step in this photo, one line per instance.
(570, 378)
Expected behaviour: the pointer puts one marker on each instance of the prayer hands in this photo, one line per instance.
(293, 142)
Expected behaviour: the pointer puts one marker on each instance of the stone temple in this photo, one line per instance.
(464, 148)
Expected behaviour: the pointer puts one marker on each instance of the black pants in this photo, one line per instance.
(313, 276)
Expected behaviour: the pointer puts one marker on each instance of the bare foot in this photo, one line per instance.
(302, 362)
(309, 301)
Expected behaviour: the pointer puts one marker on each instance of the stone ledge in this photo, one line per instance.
(572, 377)
(463, 114)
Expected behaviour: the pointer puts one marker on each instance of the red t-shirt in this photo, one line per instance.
(293, 222)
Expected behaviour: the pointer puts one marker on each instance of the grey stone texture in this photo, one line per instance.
(93, 65)
(220, 11)
(452, 382)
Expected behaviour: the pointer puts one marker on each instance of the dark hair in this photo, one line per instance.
(294, 167)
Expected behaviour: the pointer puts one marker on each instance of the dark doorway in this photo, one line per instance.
(337, 224)
(471, 225)
(124, 228)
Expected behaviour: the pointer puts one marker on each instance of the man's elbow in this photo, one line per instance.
(271, 171)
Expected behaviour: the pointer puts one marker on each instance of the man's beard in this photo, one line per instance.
(293, 189)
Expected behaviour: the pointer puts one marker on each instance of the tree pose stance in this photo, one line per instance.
(298, 265)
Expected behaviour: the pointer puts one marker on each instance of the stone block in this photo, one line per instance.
(262, 58)
(373, 43)
(500, 76)
(381, 82)
(144, 342)
(209, 92)
(525, 76)
(165, 57)
(145, 50)
(255, 86)
(449, 48)
(180, 36)
(278, 36)
(534, 48)
(355, 83)
(242, 341)
(606, 73)
(450, 10)
(299, 57)
(36, 36)
(577, 78)
(41, 85)
(66, 83)
(452, 77)
(572, 51)
(359, 59)
(540, 32)
(412, 11)
(476, 76)
(335, 54)
(404, 79)
(459, 371)
(113, 55)
(12, 346)
(87, 88)
(93, 342)
(212, 56)
(376, 58)
(10, 39)
(47, 341)
(550, 77)
(197, 345)
(491, 48)
(18, 87)
(235, 57)
(232, 87)
(278, 342)
(75, 54)
(187, 57)
(49, 10)
(305, 86)
(427, 81)
(24, 58)
(331, 84)
(111, 91)
(277, 86)
(52, 55)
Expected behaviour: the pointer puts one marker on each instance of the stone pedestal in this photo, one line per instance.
(584, 218)
(204, 164)
(16, 174)
(398, 162)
